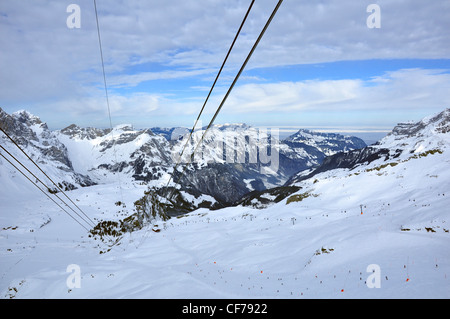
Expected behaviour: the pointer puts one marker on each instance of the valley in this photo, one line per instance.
(319, 240)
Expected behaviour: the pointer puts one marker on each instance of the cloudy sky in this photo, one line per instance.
(318, 65)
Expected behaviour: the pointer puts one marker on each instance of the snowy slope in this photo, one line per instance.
(233, 160)
(250, 158)
(42, 146)
(429, 133)
(324, 243)
(325, 144)
(131, 153)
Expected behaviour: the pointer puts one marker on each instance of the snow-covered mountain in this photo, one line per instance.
(327, 143)
(374, 224)
(405, 140)
(233, 159)
(312, 147)
(43, 146)
(135, 154)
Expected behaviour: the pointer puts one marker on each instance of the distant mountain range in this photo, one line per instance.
(405, 141)
(233, 160)
(362, 223)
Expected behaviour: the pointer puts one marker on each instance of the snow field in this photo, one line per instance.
(320, 247)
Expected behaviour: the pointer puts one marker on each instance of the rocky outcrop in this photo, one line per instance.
(42, 145)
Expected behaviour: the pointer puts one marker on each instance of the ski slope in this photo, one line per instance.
(319, 247)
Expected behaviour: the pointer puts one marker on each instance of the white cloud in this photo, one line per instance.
(402, 92)
(96, 106)
(131, 80)
(399, 90)
(139, 108)
(46, 64)
(196, 35)
(313, 32)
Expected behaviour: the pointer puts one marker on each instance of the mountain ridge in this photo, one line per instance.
(378, 229)
(405, 141)
(232, 151)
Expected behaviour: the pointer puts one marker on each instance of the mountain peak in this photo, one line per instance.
(441, 121)
(438, 123)
(429, 133)
(27, 118)
(124, 127)
(329, 143)
(229, 127)
(88, 133)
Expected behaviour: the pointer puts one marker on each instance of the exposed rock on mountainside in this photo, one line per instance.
(405, 141)
(43, 146)
(88, 133)
(233, 160)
